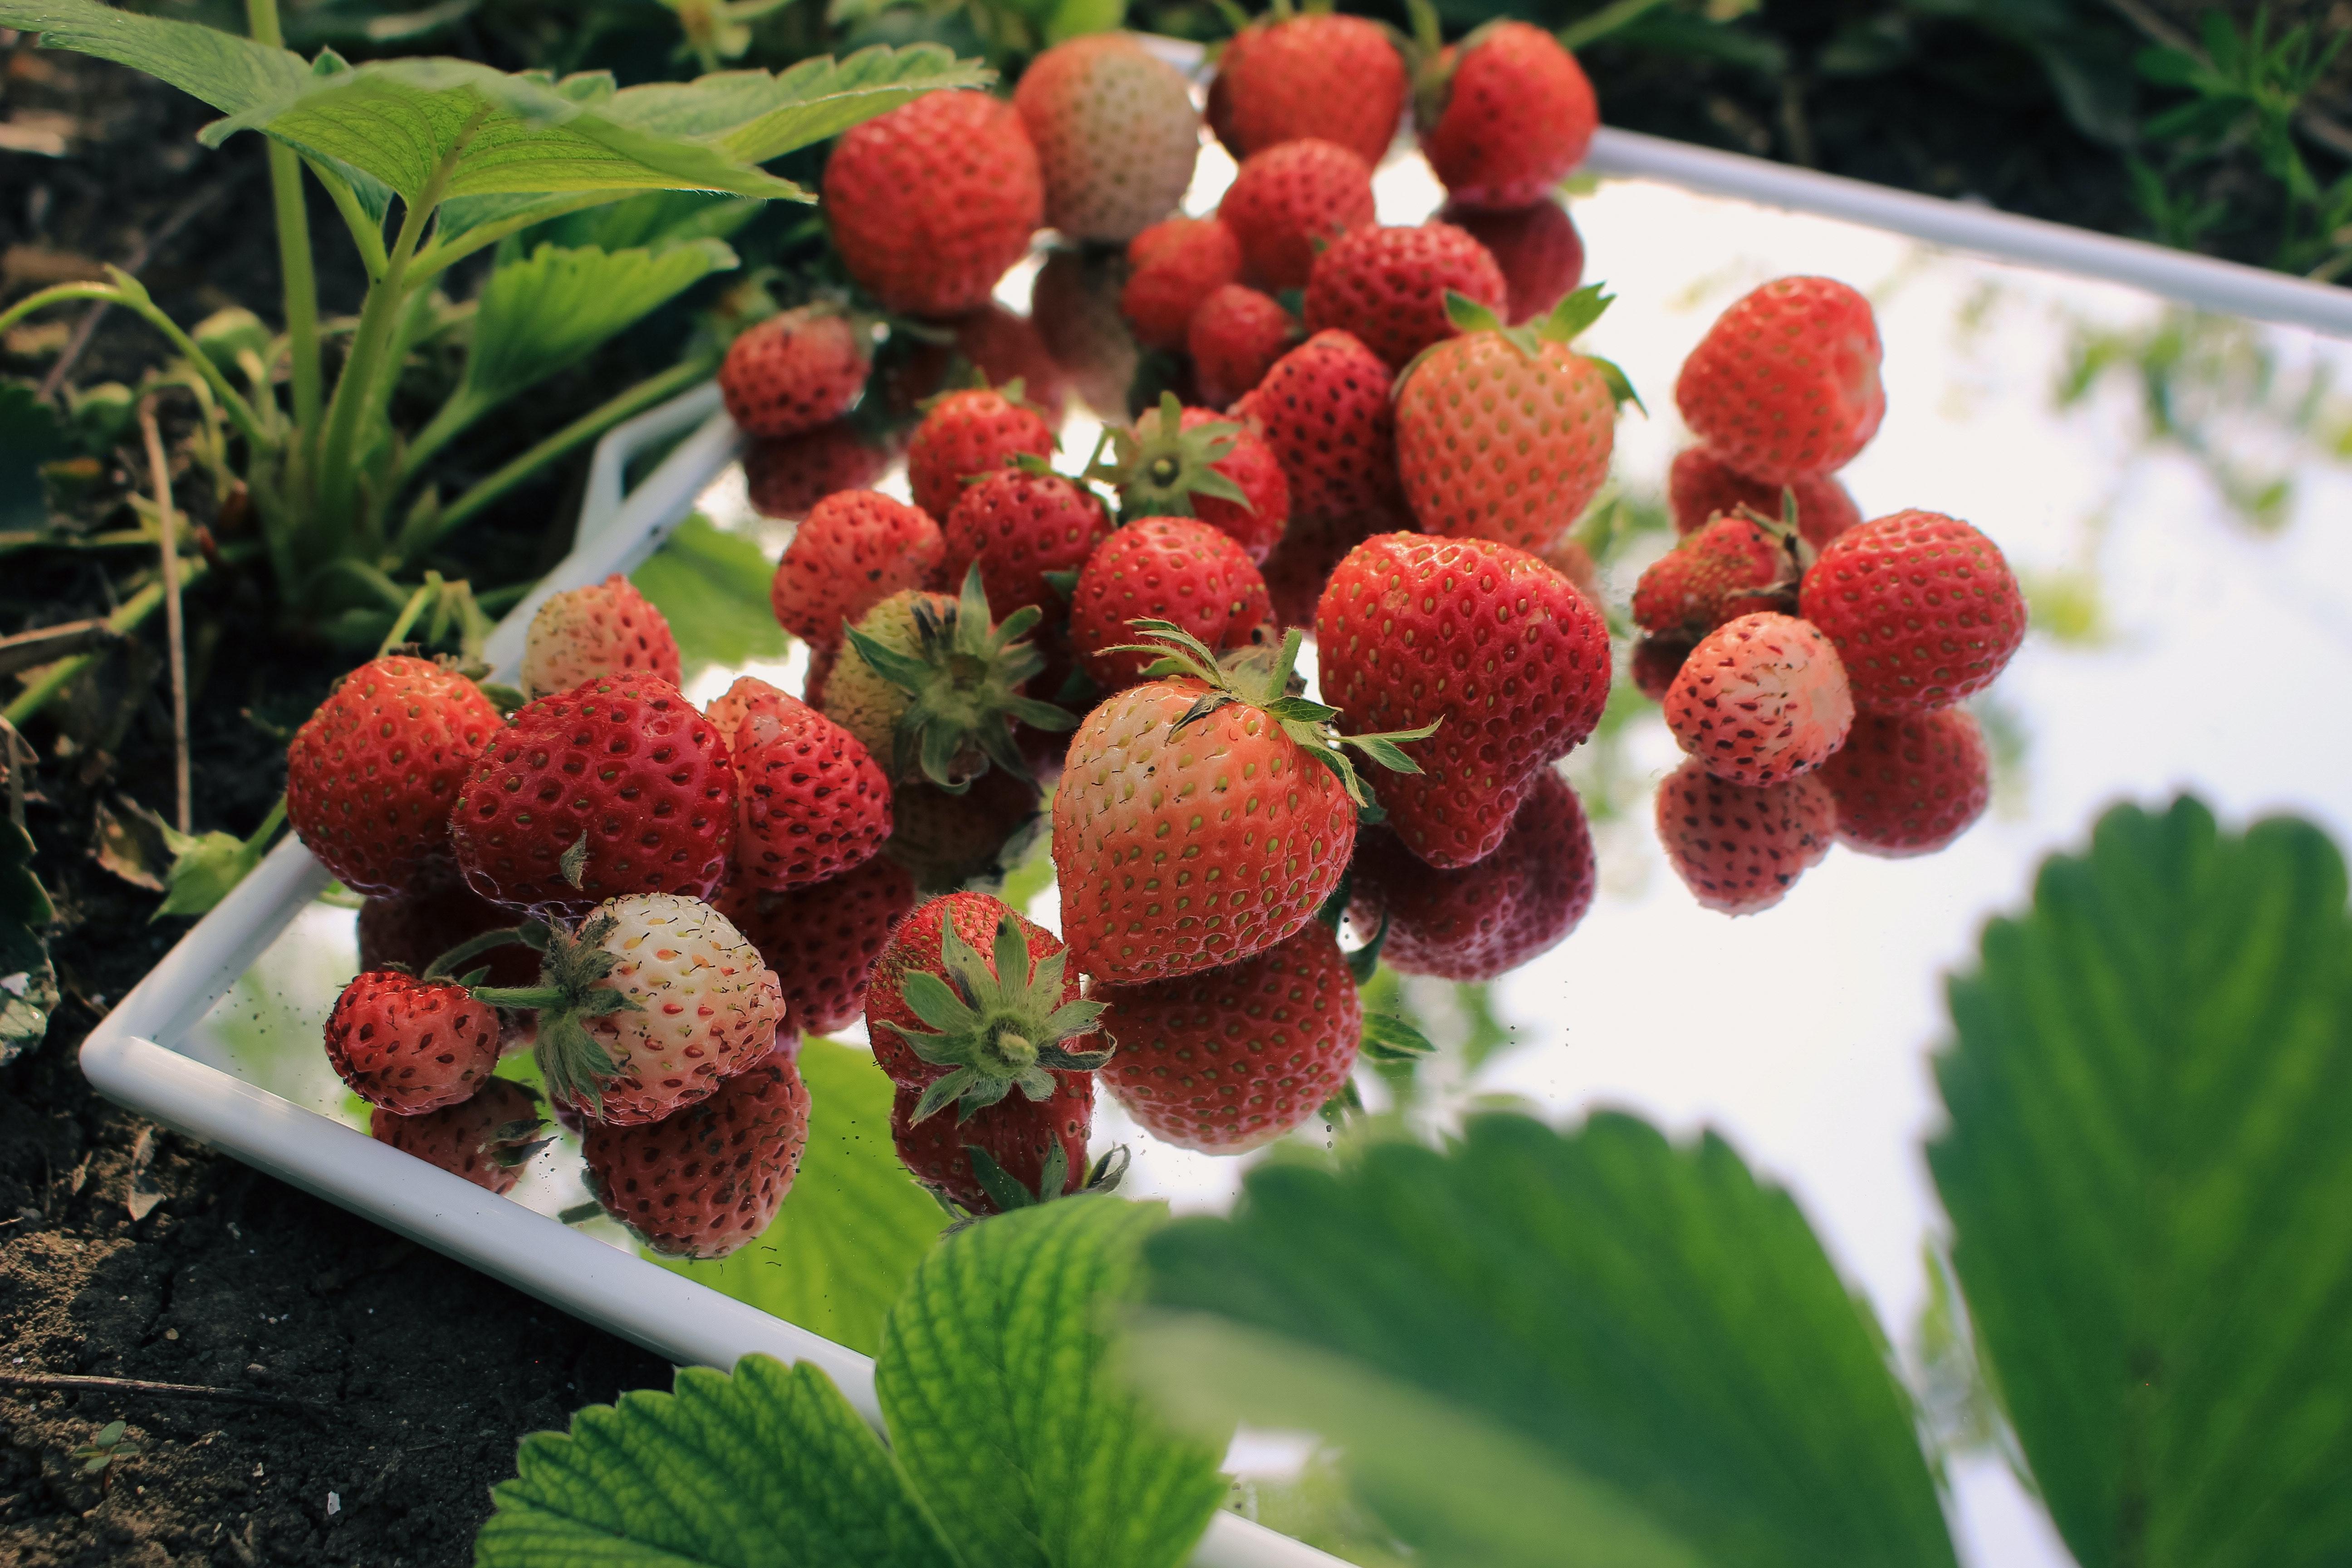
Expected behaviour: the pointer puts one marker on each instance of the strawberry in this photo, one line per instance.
(1319, 75)
(932, 203)
(853, 550)
(412, 931)
(371, 776)
(1738, 849)
(1235, 1057)
(1324, 408)
(1194, 462)
(1389, 286)
(1656, 663)
(1505, 433)
(1174, 569)
(1289, 199)
(787, 478)
(613, 788)
(1923, 608)
(1078, 315)
(1484, 919)
(1786, 382)
(813, 801)
(411, 1045)
(486, 1140)
(1909, 784)
(969, 432)
(605, 628)
(1235, 337)
(1032, 1148)
(1116, 134)
(1504, 115)
(1760, 699)
(706, 1182)
(1537, 248)
(1485, 644)
(1698, 487)
(794, 372)
(1172, 266)
(821, 940)
(1311, 549)
(1734, 566)
(1002, 347)
(951, 841)
(1019, 525)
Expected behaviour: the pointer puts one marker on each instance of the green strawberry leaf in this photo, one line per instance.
(1005, 1411)
(2147, 1173)
(1391, 1038)
(231, 73)
(771, 1466)
(713, 588)
(1590, 1349)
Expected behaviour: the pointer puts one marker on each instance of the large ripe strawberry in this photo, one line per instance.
(821, 940)
(1537, 248)
(1174, 569)
(1735, 566)
(1498, 652)
(1235, 1057)
(1761, 699)
(1289, 201)
(1033, 1150)
(795, 371)
(1292, 77)
(1324, 410)
(1172, 266)
(1019, 526)
(1116, 134)
(973, 430)
(1505, 433)
(1488, 919)
(707, 1181)
(812, 801)
(616, 786)
(785, 478)
(371, 776)
(605, 628)
(411, 1045)
(1923, 608)
(1698, 487)
(1738, 849)
(1194, 462)
(1077, 302)
(1389, 287)
(932, 203)
(853, 550)
(1786, 382)
(1909, 784)
(1504, 115)
(969, 838)
(486, 1140)
(1235, 337)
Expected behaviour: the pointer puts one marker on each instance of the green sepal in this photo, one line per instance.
(995, 1027)
(1567, 320)
(573, 1062)
(1621, 387)
(1365, 961)
(1157, 466)
(1469, 315)
(1388, 1038)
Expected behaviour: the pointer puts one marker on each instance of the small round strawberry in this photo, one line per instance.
(1734, 566)
(1505, 115)
(1235, 337)
(1235, 1057)
(1656, 663)
(412, 930)
(1324, 410)
(1019, 525)
(787, 478)
(486, 1140)
(1698, 487)
(973, 838)
(794, 372)
(1290, 199)
(1537, 248)
(1389, 286)
(1172, 266)
(1195, 462)
(932, 203)
(1077, 305)
(1319, 75)
(1174, 569)
(410, 1045)
(1026, 1141)
(821, 940)
(853, 550)
(1909, 784)
(1786, 382)
(707, 1181)
(616, 786)
(813, 802)
(371, 776)
(1760, 699)
(1484, 919)
(1116, 134)
(1739, 850)
(973, 431)
(605, 628)
(1923, 608)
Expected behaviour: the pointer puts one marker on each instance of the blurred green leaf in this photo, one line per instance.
(713, 588)
(233, 74)
(655, 220)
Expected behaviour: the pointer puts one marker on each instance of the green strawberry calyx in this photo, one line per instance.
(997, 1029)
(1006, 1189)
(570, 990)
(1157, 466)
(1564, 322)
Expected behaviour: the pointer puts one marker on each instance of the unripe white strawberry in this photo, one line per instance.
(605, 628)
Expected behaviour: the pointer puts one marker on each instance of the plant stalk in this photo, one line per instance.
(175, 641)
(366, 234)
(125, 291)
(295, 276)
(1604, 22)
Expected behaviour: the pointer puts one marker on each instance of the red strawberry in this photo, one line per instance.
(1235, 337)
(1310, 551)
(1195, 462)
(487, 1140)
(1484, 919)
(411, 1045)
(1288, 200)
(794, 372)
(614, 787)
(1324, 408)
(1494, 648)
(1698, 487)
(1537, 248)
(1116, 134)
(707, 1181)
(371, 776)
(1389, 286)
(821, 940)
(1734, 566)
(1786, 382)
(932, 203)
(606, 629)
(1076, 302)
(1656, 661)
(853, 550)
(1738, 849)
(414, 928)
(1505, 115)
(969, 432)
(1172, 266)
(1923, 608)
(1761, 699)
(787, 478)
(1910, 783)
(1017, 525)
(1319, 75)
(813, 801)
(1004, 347)
(947, 841)
(1235, 1057)
(1025, 1139)
(1175, 569)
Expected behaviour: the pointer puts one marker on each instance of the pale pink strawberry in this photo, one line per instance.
(1761, 699)
(605, 628)
(1116, 134)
